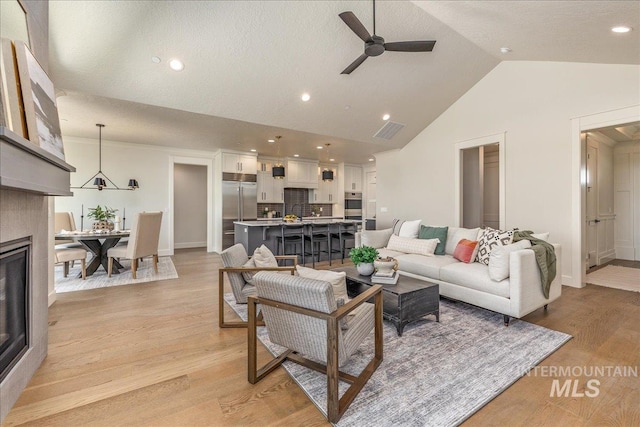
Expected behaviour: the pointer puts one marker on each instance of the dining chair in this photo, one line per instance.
(143, 242)
(65, 221)
(67, 255)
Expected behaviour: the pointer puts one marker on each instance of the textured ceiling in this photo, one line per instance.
(251, 61)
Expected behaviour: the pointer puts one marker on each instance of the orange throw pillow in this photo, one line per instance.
(466, 250)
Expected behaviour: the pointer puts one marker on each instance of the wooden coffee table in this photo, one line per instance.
(407, 301)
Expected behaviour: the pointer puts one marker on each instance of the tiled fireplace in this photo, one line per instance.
(28, 175)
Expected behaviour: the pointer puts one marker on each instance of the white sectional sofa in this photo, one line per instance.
(517, 295)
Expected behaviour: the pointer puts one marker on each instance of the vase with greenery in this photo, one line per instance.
(363, 258)
(102, 217)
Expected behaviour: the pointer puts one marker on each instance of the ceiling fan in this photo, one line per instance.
(374, 45)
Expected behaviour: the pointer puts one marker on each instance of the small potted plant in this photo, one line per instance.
(363, 258)
(315, 211)
(102, 217)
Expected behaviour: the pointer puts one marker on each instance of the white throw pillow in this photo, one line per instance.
(410, 229)
(338, 280)
(412, 246)
(541, 236)
(263, 257)
(248, 276)
(499, 259)
(454, 235)
(375, 238)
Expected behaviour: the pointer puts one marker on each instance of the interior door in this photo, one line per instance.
(592, 206)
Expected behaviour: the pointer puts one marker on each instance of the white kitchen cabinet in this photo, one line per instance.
(270, 190)
(352, 178)
(327, 191)
(239, 163)
(301, 174)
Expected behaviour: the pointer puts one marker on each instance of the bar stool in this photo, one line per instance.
(318, 233)
(346, 231)
(291, 234)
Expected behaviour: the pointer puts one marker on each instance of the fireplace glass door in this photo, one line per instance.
(14, 276)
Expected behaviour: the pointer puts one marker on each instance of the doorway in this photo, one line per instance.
(612, 193)
(480, 169)
(190, 206)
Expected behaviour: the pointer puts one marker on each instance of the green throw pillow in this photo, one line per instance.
(427, 232)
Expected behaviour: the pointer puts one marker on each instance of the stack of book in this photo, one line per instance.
(386, 278)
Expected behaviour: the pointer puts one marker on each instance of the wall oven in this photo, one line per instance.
(353, 206)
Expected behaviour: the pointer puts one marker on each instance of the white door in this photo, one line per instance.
(592, 206)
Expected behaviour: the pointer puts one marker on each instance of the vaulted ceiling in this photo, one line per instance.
(248, 62)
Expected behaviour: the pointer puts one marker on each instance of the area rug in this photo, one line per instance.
(99, 279)
(436, 374)
(615, 276)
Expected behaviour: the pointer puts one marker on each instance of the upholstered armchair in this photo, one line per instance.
(302, 315)
(143, 242)
(234, 260)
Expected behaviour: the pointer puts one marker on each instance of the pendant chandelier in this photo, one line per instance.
(100, 179)
(327, 174)
(277, 171)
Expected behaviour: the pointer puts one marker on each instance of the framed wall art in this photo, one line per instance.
(11, 108)
(39, 99)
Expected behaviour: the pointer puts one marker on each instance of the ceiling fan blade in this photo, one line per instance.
(355, 64)
(356, 26)
(415, 46)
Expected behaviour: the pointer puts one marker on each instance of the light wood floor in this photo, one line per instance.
(152, 354)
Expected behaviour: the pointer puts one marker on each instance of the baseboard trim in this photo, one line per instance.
(52, 298)
(568, 281)
(188, 245)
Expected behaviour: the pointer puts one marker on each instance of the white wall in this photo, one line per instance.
(190, 206)
(150, 165)
(533, 102)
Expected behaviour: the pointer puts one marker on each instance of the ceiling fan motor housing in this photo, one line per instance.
(374, 47)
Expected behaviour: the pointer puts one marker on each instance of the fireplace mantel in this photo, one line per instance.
(27, 167)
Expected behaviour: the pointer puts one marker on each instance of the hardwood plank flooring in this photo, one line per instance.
(152, 355)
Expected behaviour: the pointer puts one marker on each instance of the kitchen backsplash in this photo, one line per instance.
(296, 201)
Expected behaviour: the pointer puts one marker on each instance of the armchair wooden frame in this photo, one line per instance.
(222, 270)
(336, 406)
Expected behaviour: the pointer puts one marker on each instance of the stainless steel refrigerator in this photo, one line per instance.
(239, 203)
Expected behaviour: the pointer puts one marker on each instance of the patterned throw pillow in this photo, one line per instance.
(406, 228)
(466, 250)
(490, 239)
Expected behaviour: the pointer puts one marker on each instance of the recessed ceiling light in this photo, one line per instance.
(319, 147)
(621, 29)
(271, 140)
(505, 49)
(371, 160)
(386, 117)
(253, 150)
(332, 160)
(305, 97)
(155, 59)
(347, 107)
(176, 65)
(296, 155)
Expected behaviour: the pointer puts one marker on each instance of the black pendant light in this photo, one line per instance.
(327, 174)
(100, 179)
(277, 171)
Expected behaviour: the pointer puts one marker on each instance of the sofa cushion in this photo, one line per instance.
(474, 276)
(490, 239)
(412, 246)
(375, 238)
(499, 259)
(428, 232)
(427, 266)
(455, 234)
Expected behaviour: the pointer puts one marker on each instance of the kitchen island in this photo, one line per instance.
(253, 234)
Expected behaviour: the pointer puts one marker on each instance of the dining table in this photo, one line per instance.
(98, 242)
